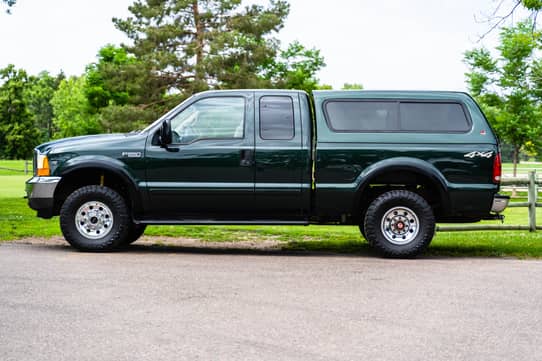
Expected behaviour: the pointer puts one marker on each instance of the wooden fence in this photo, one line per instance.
(532, 203)
(27, 168)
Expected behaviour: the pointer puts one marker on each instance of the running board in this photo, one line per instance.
(195, 222)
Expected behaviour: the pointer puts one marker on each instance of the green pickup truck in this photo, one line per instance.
(392, 163)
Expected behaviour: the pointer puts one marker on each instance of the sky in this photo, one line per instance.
(383, 44)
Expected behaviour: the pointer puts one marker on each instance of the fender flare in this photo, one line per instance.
(108, 164)
(398, 164)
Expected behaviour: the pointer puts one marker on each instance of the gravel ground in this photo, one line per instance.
(190, 301)
(154, 241)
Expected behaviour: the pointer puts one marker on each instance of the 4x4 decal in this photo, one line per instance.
(479, 154)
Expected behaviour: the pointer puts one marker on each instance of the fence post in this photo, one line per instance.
(532, 195)
(26, 166)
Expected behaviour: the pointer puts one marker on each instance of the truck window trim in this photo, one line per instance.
(397, 104)
(260, 116)
(243, 137)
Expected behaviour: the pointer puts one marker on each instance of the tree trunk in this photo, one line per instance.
(200, 40)
(515, 160)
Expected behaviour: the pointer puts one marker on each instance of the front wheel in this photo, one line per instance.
(399, 224)
(95, 218)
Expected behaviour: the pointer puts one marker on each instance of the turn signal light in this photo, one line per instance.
(43, 166)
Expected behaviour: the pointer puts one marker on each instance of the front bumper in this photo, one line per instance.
(40, 192)
(500, 202)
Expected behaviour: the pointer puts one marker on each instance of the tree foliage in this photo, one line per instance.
(119, 89)
(72, 115)
(505, 11)
(508, 86)
(37, 95)
(118, 78)
(194, 45)
(295, 68)
(353, 86)
(18, 136)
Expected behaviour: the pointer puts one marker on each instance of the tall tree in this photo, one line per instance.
(193, 45)
(295, 68)
(120, 90)
(118, 78)
(72, 115)
(38, 95)
(504, 11)
(508, 87)
(18, 135)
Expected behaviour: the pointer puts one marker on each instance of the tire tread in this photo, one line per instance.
(373, 219)
(119, 208)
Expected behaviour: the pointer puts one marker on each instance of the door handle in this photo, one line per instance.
(247, 158)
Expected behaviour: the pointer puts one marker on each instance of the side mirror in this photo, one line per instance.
(165, 134)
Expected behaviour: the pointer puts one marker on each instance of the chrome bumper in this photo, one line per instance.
(500, 202)
(40, 192)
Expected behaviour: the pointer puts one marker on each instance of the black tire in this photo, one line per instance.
(399, 224)
(103, 220)
(136, 231)
(362, 225)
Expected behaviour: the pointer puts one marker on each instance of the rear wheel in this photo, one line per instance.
(399, 224)
(94, 218)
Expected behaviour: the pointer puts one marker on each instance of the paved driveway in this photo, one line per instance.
(178, 304)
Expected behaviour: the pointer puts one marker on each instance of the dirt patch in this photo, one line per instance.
(265, 244)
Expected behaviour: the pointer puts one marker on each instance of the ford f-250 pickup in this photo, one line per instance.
(392, 163)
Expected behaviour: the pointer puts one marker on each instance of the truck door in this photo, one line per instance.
(281, 157)
(208, 171)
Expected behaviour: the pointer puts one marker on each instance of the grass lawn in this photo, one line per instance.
(14, 167)
(522, 170)
(12, 186)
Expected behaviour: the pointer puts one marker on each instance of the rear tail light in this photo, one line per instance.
(497, 168)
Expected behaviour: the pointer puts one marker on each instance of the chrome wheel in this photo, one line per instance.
(94, 220)
(400, 225)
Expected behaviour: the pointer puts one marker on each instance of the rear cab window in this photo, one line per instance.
(276, 118)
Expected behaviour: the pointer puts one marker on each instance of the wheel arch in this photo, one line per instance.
(403, 172)
(109, 172)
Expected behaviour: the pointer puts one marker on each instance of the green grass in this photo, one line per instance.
(12, 185)
(522, 169)
(530, 165)
(14, 167)
(17, 220)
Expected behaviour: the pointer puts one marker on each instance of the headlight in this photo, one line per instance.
(42, 165)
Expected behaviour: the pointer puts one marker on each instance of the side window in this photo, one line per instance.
(433, 117)
(210, 118)
(396, 116)
(355, 116)
(276, 117)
